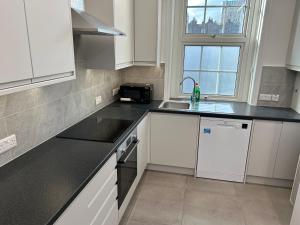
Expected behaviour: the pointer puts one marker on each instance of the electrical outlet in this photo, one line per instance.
(115, 91)
(275, 98)
(8, 143)
(265, 97)
(98, 100)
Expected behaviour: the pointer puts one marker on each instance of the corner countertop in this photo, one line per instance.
(38, 186)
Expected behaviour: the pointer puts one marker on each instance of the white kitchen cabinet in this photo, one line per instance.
(296, 212)
(263, 148)
(174, 139)
(50, 36)
(293, 58)
(124, 21)
(14, 54)
(37, 48)
(274, 150)
(288, 152)
(146, 23)
(96, 204)
(295, 184)
(143, 133)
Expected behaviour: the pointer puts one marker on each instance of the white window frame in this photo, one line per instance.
(181, 39)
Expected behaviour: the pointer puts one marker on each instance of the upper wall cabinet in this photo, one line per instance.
(147, 23)
(15, 55)
(36, 45)
(293, 58)
(50, 37)
(108, 52)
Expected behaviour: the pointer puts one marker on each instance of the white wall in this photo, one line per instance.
(275, 39)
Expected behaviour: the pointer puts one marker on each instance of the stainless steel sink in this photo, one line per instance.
(175, 105)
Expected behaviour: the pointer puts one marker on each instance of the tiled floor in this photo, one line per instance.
(170, 199)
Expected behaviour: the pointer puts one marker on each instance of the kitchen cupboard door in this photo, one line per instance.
(50, 37)
(293, 59)
(143, 133)
(174, 139)
(124, 21)
(263, 148)
(296, 213)
(288, 152)
(146, 29)
(15, 62)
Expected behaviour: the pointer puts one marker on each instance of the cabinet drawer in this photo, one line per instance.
(112, 217)
(93, 197)
(102, 214)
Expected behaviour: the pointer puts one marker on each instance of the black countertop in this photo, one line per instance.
(37, 187)
(236, 110)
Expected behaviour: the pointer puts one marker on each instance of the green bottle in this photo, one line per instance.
(197, 92)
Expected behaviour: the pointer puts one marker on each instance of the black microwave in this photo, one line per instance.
(138, 93)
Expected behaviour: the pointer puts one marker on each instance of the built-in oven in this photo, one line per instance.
(127, 165)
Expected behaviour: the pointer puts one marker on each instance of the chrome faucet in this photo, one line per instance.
(193, 97)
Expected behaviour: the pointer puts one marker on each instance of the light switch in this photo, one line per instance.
(265, 97)
(275, 98)
(8, 143)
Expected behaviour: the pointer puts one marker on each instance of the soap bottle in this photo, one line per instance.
(197, 92)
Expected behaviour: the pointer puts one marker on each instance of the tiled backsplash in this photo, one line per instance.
(39, 114)
(141, 74)
(277, 81)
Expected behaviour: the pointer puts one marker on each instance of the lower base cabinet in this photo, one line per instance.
(274, 149)
(97, 203)
(143, 133)
(174, 139)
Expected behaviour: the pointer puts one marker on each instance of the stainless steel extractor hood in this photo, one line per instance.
(84, 23)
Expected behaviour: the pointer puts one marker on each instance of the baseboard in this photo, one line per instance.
(269, 181)
(171, 169)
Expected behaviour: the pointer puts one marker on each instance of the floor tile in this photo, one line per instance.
(157, 212)
(251, 191)
(156, 193)
(165, 179)
(199, 184)
(196, 216)
(201, 200)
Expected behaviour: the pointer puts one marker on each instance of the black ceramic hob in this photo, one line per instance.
(97, 129)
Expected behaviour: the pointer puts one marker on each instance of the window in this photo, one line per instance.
(77, 4)
(211, 45)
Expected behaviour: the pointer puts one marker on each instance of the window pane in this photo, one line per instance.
(192, 57)
(77, 4)
(228, 18)
(196, 2)
(227, 84)
(230, 58)
(210, 58)
(195, 20)
(213, 20)
(233, 20)
(188, 85)
(208, 81)
(226, 2)
(217, 72)
(216, 2)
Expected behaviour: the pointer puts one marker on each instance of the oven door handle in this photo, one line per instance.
(135, 143)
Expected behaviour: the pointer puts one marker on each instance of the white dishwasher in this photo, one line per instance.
(223, 148)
